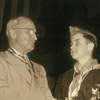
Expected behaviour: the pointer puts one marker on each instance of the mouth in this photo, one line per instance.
(32, 42)
(73, 52)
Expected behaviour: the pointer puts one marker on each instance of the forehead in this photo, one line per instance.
(21, 23)
(27, 24)
(77, 37)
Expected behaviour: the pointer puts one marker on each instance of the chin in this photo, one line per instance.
(29, 50)
(75, 57)
(32, 48)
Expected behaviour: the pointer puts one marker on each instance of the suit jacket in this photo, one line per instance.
(16, 83)
(88, 86)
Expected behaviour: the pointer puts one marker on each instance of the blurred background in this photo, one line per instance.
(52, 19)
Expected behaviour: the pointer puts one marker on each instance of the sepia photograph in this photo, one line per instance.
(49, 49)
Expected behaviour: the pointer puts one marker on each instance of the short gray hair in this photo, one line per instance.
(16, 23)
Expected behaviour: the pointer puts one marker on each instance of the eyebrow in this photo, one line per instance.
(76, 40)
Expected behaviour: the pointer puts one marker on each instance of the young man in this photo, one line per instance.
(83, 81)
(20, 78)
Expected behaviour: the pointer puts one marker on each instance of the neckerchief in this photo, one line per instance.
(77, 80)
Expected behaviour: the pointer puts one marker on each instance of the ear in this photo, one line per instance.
(12, 34)
(90, 46)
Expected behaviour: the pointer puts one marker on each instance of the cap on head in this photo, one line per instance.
(90, 36)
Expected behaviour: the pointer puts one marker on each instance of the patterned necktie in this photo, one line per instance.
(27, 61)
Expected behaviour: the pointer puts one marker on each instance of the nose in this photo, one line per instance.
(34, 36)
(71, 47)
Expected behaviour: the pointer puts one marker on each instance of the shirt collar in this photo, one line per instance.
(17, 52)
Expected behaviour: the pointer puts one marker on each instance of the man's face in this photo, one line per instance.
(79, 47)
(25, 36)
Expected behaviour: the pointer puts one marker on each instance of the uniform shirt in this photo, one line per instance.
(81, 74)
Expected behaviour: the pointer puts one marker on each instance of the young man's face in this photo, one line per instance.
(79, 47)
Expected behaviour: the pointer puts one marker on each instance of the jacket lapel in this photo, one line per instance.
(20, 66)
(35, 82)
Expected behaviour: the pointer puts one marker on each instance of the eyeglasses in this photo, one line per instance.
(29, 29)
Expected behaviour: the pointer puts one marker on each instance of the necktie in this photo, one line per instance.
(27, 61)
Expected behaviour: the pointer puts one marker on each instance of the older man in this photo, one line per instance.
(21, 78)
(82, 82)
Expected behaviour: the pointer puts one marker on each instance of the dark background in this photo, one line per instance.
(52, 19)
